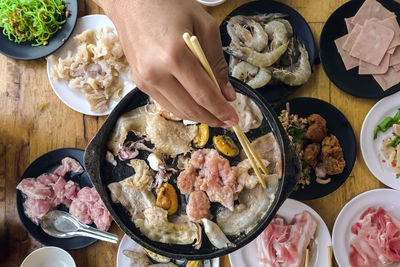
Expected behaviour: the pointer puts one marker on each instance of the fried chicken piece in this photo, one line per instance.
(317, 128)
(332, 155)
(311, 154)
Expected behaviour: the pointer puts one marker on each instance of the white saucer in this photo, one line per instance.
(211, 2)
(370, 148)
(48, 257)
(71, 97)
(388, 199)
(247, 256)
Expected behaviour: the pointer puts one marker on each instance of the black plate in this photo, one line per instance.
(43, 164)
(26, 51)
(349, 81)
(102, 173)
(300, 28)
(338, 125)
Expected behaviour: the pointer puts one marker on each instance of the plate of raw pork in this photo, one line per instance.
(301, 228)
(57, 180)
(366, 232)
(360, 48)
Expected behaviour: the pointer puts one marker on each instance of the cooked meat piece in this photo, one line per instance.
(198, 206)
(311, 154)
(317, 128)
(332, 155)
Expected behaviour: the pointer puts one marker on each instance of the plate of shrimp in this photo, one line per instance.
(269, 46)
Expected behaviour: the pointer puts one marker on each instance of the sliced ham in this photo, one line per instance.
(351, 38)
(372, 42)
(348, 61)
(284, 245)
(389, 79)
(349, 25)
(371, 9)
(395, 58)
(392, 23)
(366, 68)
(396, 67)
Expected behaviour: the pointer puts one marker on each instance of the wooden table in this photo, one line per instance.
(33, 121)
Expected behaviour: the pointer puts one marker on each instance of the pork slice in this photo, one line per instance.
(101, 217)
(36, 208)
(371, 9)
(349, 25)
(80, 210)
(68, 165)
(348, 61)
(372, 42)
(387, 80)
(351, 38)
(71, 189)
(47, 179)
(34, 189)
(366, 68)
(395, 58)
(59, 191)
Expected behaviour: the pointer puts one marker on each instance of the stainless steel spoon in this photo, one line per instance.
(61, 224)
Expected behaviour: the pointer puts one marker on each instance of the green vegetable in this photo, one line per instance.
(387, 123)
(296, 132)
(395, 141)
(31, 20)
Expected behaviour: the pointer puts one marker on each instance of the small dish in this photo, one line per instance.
(338, 125)
(349, 81)
(42, 165)
(247, 256)
(300, 28)
(129, 244)
(25, 51)
(75, 99)
(387, 199)
(211, 2)
(48, 257)
(370, 148)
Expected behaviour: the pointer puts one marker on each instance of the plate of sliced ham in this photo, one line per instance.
(367, 229)
(360, 48)
(284, 242)
(57, 180)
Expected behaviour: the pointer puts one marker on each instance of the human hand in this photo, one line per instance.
(163, 67)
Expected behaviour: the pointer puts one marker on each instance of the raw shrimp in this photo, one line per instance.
(255, 58)
(296, 74)
(288, 26)
(276, 31)
(233, 61)
(254, 77)
(262, 78)
(265, 18)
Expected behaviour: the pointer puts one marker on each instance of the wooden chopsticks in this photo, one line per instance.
(330, 255)
(306, 262)
(194, 45)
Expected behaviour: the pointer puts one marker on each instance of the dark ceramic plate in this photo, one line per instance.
(349, 81)
(301, 30)
(43, 164)
(102, 173)
(25, 51)
(338, 125)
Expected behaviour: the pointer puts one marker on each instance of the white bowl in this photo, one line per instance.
(49, 257)
(211, 2)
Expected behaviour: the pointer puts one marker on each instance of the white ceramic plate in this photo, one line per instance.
(211, 2)
(128, 243)
(247, 256)
(48, 257)
(351, 212)
(71, 97)
(370, 148)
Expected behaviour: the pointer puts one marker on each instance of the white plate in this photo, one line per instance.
(370, 148)
(247, 256)
(351, 212)
(128, 243)
(211, 2)
(48, 257)
(71, 97)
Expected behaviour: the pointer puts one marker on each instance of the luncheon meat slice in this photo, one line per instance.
(372, 42)
(389, 79)
(351, 38)
(395, 58)
(284, 245)
(349, 25)
(371, 9)
(366, 68)
(349, 61)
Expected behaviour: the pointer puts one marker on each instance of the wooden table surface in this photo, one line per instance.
(34, 121)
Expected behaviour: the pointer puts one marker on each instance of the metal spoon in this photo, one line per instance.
(61, 224)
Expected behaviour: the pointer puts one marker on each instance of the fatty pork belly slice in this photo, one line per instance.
(284, 245)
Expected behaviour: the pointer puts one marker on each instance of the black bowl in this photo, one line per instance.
(43, 164)
(349, 81)
(100, 174)
(25, 51)
(300, 28)
(337, 125)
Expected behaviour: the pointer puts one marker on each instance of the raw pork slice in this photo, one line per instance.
(351, 38)
(68, 165)
(372, 43)
(349, 25)
(395, 58)
(284, 245)
(371, 9)
(366, 68)
(349, 61)
(34, 189)
(389, 79)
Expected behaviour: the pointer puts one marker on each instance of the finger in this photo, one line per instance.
(208, 33)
